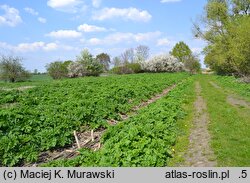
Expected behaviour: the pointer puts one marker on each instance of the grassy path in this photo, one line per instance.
(216, 129)
(229, 123)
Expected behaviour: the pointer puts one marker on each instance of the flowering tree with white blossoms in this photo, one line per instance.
(76, 69)
(163, 63)
(85, 65)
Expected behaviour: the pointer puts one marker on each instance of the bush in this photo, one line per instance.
(129, 68)
(192, 65)
(122, 70)
(57, 70)
(135, 67)
(163, 63)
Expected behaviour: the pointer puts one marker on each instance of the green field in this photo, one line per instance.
(43, 116)
(33, 81)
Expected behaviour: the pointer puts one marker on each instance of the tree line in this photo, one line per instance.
(225, 26)
(132, 60)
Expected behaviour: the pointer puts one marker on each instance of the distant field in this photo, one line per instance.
(41, 77)
(33, 81)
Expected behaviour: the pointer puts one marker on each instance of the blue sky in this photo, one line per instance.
(43, 31)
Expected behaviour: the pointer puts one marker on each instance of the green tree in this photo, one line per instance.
(92, 66)
(192, 64)
(12, 70)
(57, 70)
(67, 63)
(85, 57)
(226, 30)
(104, 59)
(181, 51)
(241, 7)
(239, 45)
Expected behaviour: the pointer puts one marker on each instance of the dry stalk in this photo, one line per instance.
(77, 141)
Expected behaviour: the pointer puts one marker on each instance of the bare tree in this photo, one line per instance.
(117, 61)
(127, 56)
(142, 53)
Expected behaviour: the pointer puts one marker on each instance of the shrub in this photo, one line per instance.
(192, 64)
(57, 70)
(135, 67)
(163, 63)
(129, 68)
(122, 70)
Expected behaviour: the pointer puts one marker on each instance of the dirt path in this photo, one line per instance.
(199, 153)
(232, 99)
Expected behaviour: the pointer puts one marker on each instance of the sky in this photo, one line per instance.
(43, 31)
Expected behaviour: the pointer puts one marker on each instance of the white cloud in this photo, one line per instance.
(42, 20)
(140, 37)
(61, 34)
(61, 3)
(96, 3)
(35, 46)
(26, 47)
(90, 28)
(120, 37)
(35, 13)
(95, 41)
(70, 6)
(31, 11)
(50, 46)
(163, 42)
(11, 16)
(126, 14)
(170, 1)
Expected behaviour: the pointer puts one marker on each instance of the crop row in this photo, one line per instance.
(44, 117)
(145, 140)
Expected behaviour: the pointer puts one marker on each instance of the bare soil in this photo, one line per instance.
(153, 99)
(234, 101)
(8, 105)
(200, 153)
(21, 88)
(237, 102)
(70, 151)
